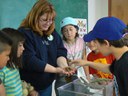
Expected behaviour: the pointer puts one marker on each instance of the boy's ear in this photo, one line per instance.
(107, 43)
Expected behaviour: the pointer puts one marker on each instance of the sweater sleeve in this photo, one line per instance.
(61, 50)
(30, 59)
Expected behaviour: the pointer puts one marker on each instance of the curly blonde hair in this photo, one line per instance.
(31, 21)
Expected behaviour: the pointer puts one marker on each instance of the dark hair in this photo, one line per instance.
(16, 37)
(77, 28)
(116, 43)
(5, 41)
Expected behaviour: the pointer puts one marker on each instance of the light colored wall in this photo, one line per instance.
(96, 10)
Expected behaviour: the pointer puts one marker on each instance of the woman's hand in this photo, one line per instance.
(64, 71)
(33, 93)
(59, 70)
(69, 71)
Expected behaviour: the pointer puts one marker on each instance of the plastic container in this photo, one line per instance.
(76, 88)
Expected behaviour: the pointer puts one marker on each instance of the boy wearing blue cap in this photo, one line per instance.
(96, 56)
(111, 38)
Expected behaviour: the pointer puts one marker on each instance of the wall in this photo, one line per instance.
(96, 10)
(119, 9)
(72, 8)
(12, 12)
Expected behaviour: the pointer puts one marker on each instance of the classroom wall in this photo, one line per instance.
(12, 12)
(69, 8)
(96, 10)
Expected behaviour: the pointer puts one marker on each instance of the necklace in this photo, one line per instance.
(71, 48)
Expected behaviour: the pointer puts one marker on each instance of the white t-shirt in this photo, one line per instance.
(75, 51)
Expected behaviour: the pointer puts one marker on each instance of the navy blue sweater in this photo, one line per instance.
(38, 52)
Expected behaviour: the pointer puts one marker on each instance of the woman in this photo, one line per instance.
(44, 53)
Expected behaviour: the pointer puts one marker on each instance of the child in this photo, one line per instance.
(96, 56)
(75, 46)
(5, 48)
(110, 38)
(10, 74)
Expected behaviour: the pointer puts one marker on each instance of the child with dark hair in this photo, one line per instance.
(75, 49)
(10, 74)
(96, 56)
(110, 38)
(75, 46)
(5, 48)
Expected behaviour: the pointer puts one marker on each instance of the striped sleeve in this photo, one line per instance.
(11, 81)
(2, 74)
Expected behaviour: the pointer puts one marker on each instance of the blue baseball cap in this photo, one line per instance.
(68, 21)
(88, 37)
(108, 28)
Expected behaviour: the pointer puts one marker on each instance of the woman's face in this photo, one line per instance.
(20, 49)
(44, 24)
(69, 32)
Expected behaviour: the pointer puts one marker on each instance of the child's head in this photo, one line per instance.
(108, 33)
(17, 47)
(69, 28)
(5, 48)
(91, 44)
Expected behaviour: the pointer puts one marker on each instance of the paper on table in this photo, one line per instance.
(81, 73)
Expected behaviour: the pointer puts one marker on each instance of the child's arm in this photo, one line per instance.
(98, 66)
(2, 89)
(86, 68)
(62, 62)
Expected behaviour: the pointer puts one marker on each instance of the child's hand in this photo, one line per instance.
(33, 93)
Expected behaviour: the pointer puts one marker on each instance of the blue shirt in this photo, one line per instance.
(38, 52)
